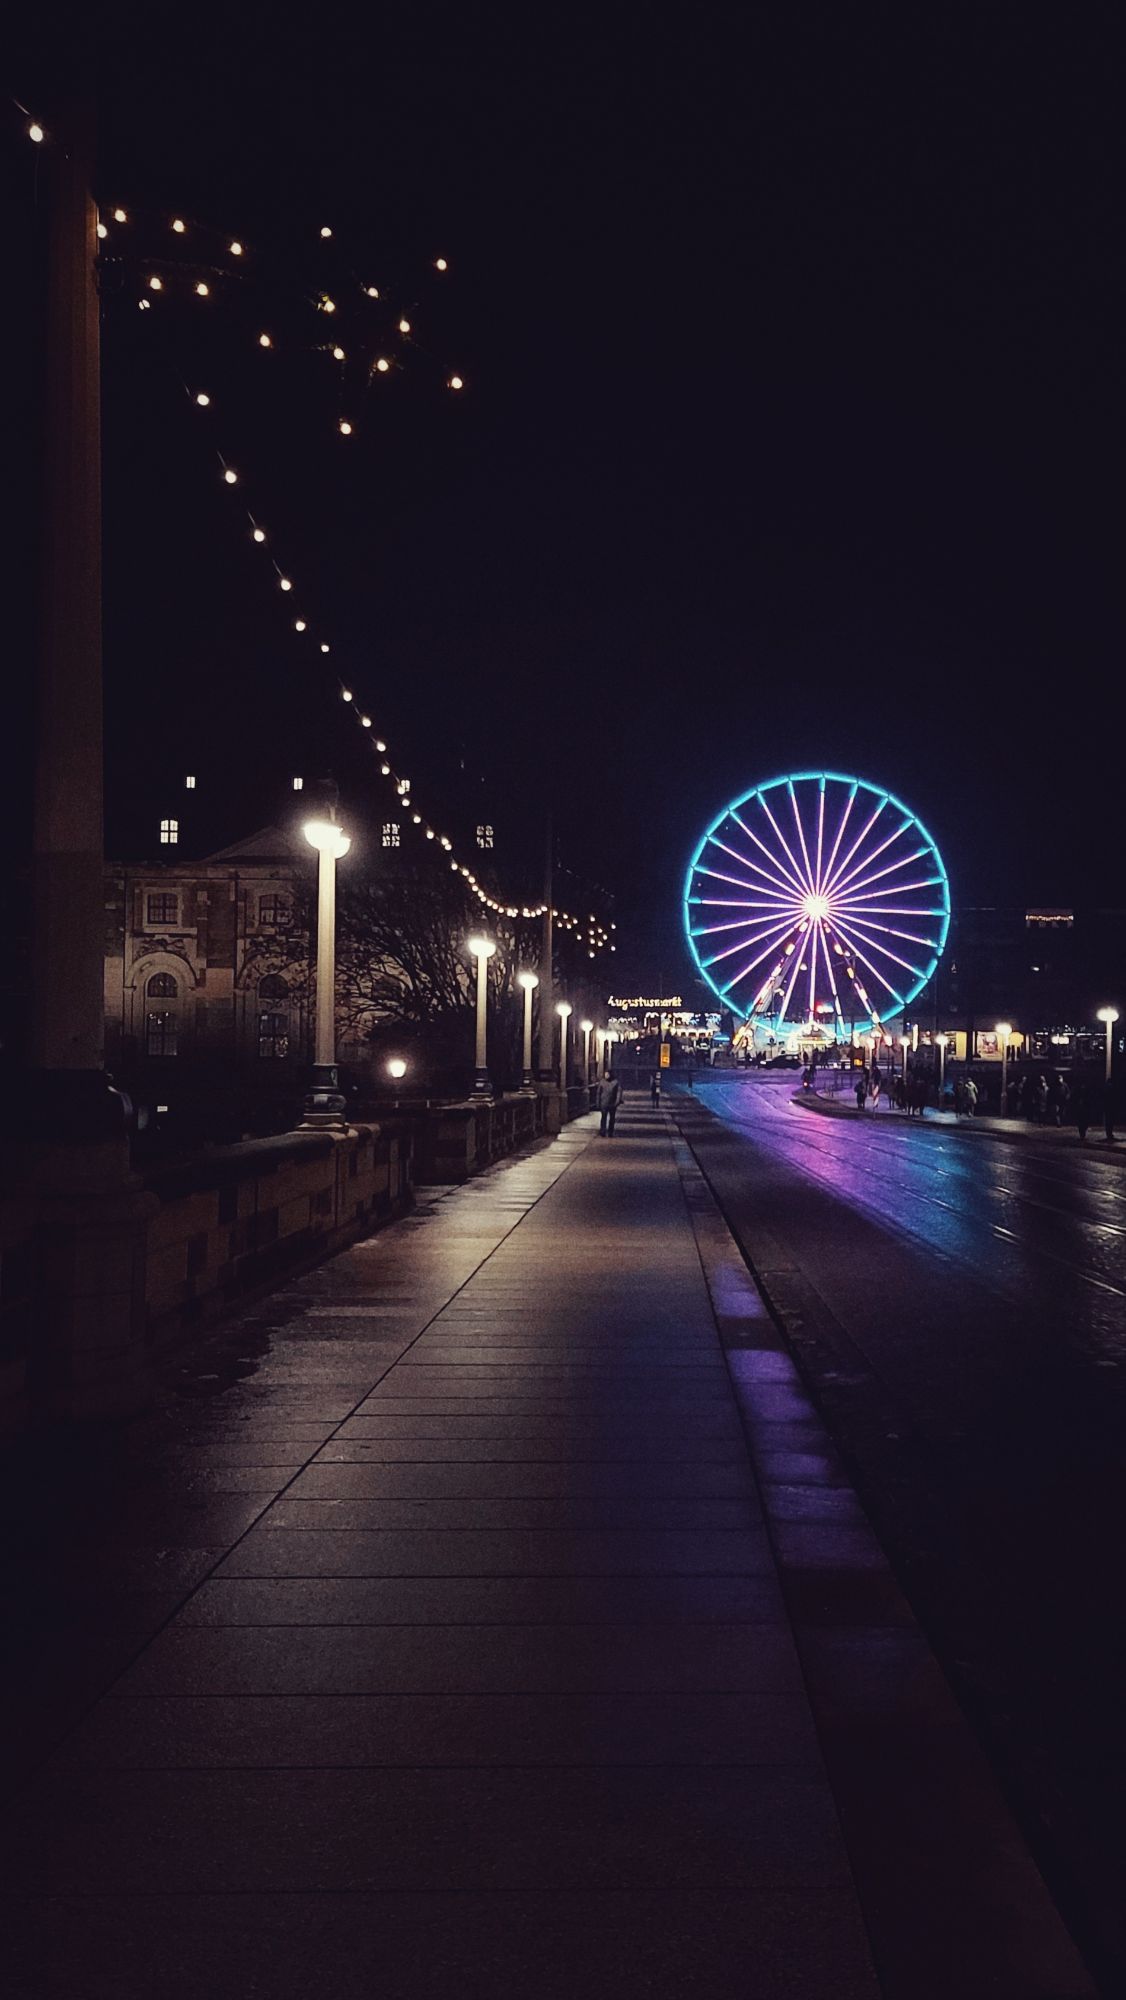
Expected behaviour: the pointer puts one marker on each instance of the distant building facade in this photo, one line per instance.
(210, 960)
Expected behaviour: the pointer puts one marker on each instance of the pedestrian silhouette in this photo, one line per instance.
(609, 1099)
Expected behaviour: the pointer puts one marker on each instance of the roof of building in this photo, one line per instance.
(270, 843)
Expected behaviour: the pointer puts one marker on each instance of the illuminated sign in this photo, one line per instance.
(630, 1006)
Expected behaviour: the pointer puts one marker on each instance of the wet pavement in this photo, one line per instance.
(489, 1611)
(958, 1303)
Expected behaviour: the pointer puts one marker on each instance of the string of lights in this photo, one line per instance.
(200, 278)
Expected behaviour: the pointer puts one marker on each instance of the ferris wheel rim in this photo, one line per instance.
(910, 821)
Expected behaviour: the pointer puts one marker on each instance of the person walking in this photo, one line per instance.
(609, 1100)
(861, 1089)
(971, 1097)
(1081, 1107)
(655, 1089)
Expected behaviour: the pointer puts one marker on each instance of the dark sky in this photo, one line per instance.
(792, 431)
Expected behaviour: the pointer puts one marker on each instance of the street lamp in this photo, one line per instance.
(396, 1070)
(529, 982)
(564, 1011)
(942, 1042)
(586, 1027)
(1110, 1016)
(482, 949)
(1003, 1032)
(324, 1104)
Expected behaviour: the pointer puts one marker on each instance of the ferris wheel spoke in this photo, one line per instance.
(765, 902)
(736, 924)
(895, 889)
(829, 966)
(843, 880)
(820, 834)
(862, 836)
(805, 885)
(780, 869)
(849, 802)
(809, 874)
(773, 932)
(855, 952)
(859, 882)
(749, 967)
(790, 988)
(877, 944)
(774, 881)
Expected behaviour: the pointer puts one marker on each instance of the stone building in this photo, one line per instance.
(208, 965)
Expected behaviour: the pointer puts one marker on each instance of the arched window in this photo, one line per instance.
(162, 1023)
(273, 987)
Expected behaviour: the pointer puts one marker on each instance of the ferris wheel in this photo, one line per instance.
(817, 900)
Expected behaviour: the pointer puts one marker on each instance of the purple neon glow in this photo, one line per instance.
(829, 890)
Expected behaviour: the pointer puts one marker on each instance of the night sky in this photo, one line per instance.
(792, 431)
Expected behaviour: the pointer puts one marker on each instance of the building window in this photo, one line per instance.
(169, 832)
(484, 836)
(274, 912)
(391, 833)
(299, 784)
(273, 1034)
(189, 784)
(162, 908)
(161, 1024)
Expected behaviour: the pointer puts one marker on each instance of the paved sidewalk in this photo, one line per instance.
(526, 1639)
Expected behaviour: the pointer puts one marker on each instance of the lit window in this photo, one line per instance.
(169, 832)
(161, 909)
(391, 833)
(484, 836)
(299, 784)
(189, 784)
(274, 911)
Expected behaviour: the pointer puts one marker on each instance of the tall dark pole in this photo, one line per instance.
(546, 1042)
(67, 1029)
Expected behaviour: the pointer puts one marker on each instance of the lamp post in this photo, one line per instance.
(1003, 1031)
(941, 1041)
(529, 982)
(586, 1027)
(1109, 1015)
(324, 1104)
(564, 1011)
(482, 949)
(396, 1070)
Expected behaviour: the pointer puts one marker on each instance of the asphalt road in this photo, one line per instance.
(959, 1306)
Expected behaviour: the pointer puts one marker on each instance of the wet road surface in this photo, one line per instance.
(959, 1304)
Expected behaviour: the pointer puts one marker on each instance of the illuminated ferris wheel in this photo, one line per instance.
(817, 901)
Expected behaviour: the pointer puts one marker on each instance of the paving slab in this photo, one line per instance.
(521, 1635)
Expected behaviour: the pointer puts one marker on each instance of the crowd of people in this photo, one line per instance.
(1041, 1099)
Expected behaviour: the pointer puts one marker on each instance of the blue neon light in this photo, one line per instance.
(760, 894)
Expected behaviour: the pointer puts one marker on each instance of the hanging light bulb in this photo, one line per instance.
(36, 133)
(327, 305)
(264, 340)
(324, 648)
(440, 264)
(156, 284)
(119, 215)
(404, 326)
(382, 365)
(456, 382)
(144, 304)
(381, 747)
(345, 694)
(235, 248)
(430, 833)
(345, 428)
(365, 721)
(202, 291)
(103, 232)
(338, 354)
(230, 476)
(203, 399)
(385, 770)
(326, 231)
(259, 534)
(284, 583)
(373, 291)
(178, 226)
(299, 624)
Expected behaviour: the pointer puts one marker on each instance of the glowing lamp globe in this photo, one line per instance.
(397, 1068)
(528, 980)
(482, 947)
(327, 837)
